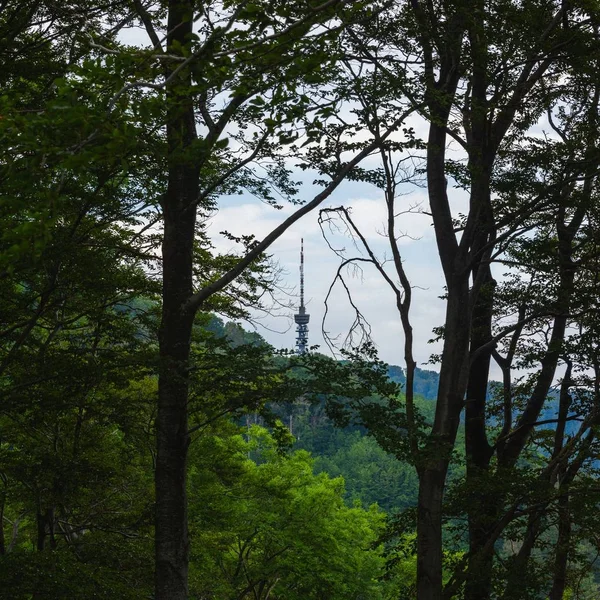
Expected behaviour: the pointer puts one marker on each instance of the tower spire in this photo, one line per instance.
(301, 317)
(301, 273)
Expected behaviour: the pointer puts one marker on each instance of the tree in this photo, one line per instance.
(249, 68)
(75, 460)
(562, 173)
(468, 72)
(47, 204)
(267, 527)
(136, 111)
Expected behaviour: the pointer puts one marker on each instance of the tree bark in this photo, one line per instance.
(429, 534)
(482, 509)
(433, 468)
(179, 214)
(2, 542)
(563, 543)
(41, 531)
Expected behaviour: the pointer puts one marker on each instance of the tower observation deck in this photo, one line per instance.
(301, 317)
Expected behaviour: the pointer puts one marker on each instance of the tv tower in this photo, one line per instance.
(301, 317)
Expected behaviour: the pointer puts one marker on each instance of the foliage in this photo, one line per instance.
(112, 152)
(267, 526)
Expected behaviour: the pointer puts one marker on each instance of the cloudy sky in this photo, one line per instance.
(370, 293)
(247, 215)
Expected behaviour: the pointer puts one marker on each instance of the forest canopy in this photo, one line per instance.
(149, 449)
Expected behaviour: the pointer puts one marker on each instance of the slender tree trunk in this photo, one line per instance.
(433, 468)
(41, 531)
(562, 549)
(429, 534)
(50, 520)
(40, 543)
(172, 439)
(179, 213)
(516, 586)
(45, 529)
(564, 517)
(483, 506)
(2, 507)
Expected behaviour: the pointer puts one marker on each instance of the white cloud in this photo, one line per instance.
(369, 291)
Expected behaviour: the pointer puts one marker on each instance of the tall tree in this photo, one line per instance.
(475, 73)
(230, 86)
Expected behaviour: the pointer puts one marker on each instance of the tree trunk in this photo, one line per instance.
(2, 542)
(433, 468)
(50, 520)
(564, 517)
(429, 534)
(516, 586)
(562, 549)
(179, 214)
(41, 531)
(483, 507)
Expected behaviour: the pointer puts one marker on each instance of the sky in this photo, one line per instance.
(242, 215)
(369, 291)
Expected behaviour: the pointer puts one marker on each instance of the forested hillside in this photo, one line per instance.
(442, 157)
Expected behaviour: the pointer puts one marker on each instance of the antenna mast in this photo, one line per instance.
(301, 317)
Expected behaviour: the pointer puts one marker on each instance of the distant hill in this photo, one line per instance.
(233, 331)
(426, 382)
(426, 385)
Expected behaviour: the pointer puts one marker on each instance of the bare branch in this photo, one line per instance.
(194, 303)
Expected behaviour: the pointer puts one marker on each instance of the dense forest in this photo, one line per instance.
(151, 447)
